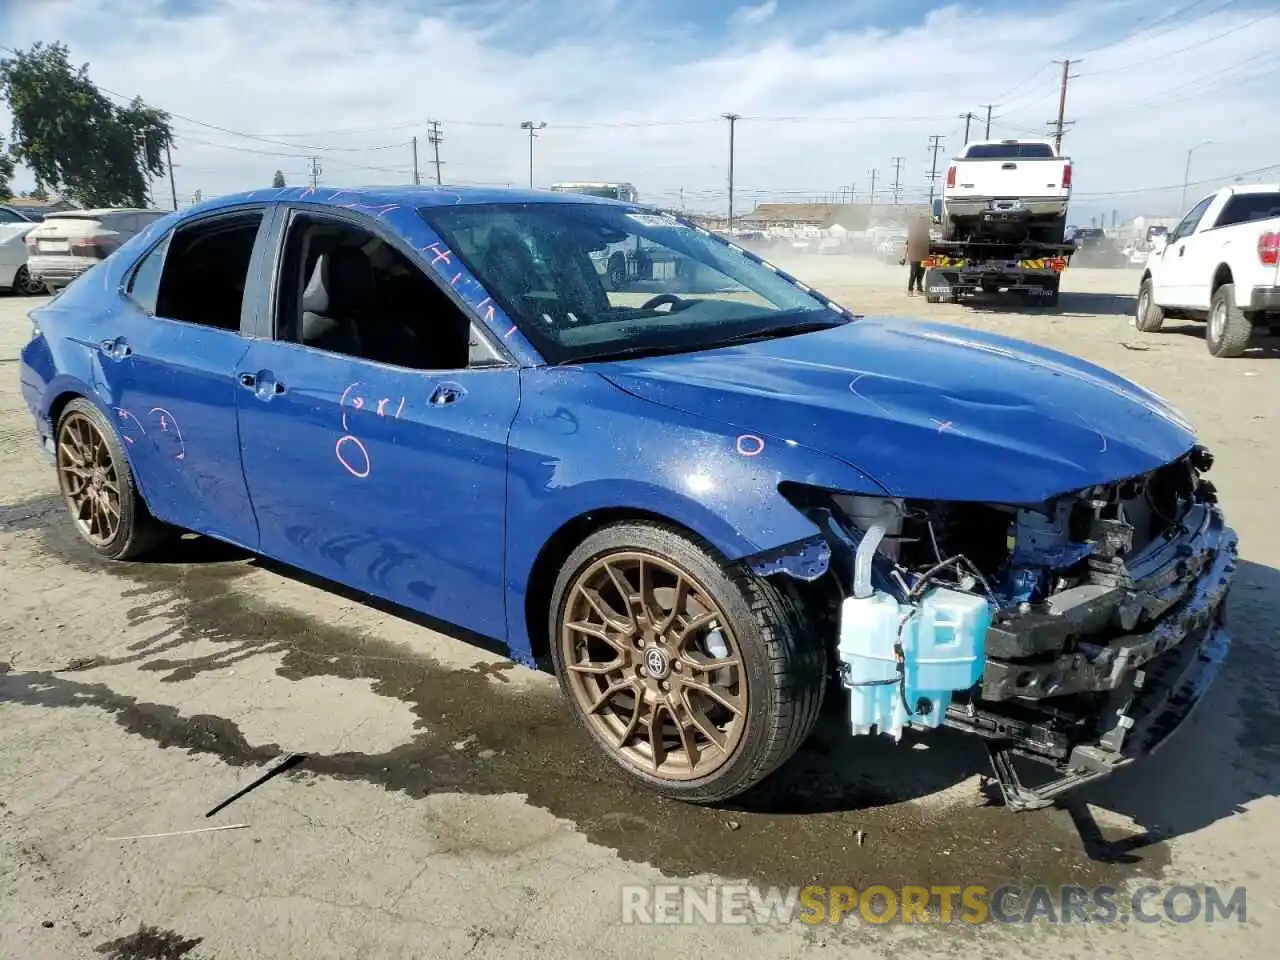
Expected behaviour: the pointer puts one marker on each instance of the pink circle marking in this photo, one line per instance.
(337, 450)
(749, 445)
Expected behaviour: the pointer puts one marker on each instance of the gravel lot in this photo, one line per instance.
(449, 807)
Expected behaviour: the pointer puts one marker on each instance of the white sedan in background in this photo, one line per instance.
(14, 272)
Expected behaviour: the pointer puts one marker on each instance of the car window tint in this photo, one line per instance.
(1009, 151)
(584, 280)
(1250, 207)
(1190, 221)
(344, 290)
(206, 270)
(144, 285)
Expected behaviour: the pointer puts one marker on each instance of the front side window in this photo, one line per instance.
(1191, 220)
(588, 281)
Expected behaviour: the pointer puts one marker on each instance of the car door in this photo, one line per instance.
(364, 467)
(1172, 271)
(169, 357)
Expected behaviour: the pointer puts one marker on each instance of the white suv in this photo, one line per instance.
(69, 242)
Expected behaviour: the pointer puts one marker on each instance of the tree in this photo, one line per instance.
(73, 138)
(6, 172)
(278, 179)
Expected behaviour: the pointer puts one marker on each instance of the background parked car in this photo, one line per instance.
(14, 274)
(67, 243)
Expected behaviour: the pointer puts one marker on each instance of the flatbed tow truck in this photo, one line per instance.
(956, 269)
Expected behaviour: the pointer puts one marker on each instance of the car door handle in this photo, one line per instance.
(117, 349)
(263, 383)
(447, 393)
(1181, 251)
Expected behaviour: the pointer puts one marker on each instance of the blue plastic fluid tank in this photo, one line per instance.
(943, 641)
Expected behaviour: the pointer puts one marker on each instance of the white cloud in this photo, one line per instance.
(753, 16)
(359, 79)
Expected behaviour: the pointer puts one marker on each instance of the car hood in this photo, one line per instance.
(930, 411)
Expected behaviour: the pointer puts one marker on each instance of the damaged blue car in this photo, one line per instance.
(608, 439)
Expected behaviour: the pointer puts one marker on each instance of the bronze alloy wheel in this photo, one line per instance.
(654, 666)
(88, 479)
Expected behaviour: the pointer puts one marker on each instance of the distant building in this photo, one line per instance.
(835, 217)
(38, 209)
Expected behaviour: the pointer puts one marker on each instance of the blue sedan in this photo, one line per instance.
(710, 497)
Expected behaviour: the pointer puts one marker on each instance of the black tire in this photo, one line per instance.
(1228, 330)
(1149, 317)
(137, 531)
(784, 666)
(24, 285)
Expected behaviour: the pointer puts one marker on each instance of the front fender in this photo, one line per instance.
(580, 445)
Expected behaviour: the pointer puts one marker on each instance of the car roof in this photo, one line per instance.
(98, 212)
(1239, 188)
(405, 196)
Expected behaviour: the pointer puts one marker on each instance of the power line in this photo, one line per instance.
(1190, 46)
(1239, 175)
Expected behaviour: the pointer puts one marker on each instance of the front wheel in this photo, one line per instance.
(696, 679)
(1149, 318)
(97, 486)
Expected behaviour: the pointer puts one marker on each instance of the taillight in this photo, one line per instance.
(1269, 249)
(97, 247)
(1066, 175)
(951, 176)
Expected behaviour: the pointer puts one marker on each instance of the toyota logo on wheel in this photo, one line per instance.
(655, 662)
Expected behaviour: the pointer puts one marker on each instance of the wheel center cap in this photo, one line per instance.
(656, 663)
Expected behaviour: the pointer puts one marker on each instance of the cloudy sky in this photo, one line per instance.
(634, 89)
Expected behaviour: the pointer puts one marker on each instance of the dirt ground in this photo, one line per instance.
(448, 807)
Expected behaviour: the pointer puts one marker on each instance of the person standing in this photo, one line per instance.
(917, 249)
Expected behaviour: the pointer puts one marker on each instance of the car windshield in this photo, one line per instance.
(1008, 151)
(588, 281)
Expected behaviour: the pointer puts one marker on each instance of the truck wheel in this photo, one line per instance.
(1228, 331)
(1149, 317)
(696, 679)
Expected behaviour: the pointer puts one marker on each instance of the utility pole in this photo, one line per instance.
(871, 202)
(935, 146)
(531, 127)
(733, 119)
(315, 172)
(897, 179)
(989, 107)
(968, 118)
(1061, 123)
(416, 179)
(168, 162)
(435, 138)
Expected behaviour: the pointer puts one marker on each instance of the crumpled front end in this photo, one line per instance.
(1079, 632)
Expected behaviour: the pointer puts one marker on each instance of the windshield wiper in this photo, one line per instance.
(783, 330)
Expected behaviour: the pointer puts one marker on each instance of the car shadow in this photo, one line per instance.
(1070, 304)
(1226, 756)
(1262, 345)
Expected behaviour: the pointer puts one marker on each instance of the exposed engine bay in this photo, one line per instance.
(1078, 632)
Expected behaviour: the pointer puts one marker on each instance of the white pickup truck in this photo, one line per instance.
(1220, 264)
(1012, 190)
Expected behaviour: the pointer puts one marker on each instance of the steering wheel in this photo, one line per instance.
(676, 303)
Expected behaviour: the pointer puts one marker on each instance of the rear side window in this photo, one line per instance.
(1249, 207)
(144, 286)
(206, 270)
(1009, 151)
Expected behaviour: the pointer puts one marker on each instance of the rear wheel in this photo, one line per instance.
(1228, 330)
(25, 284)
(698, 681)
(97, 486)
(1149, 317)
